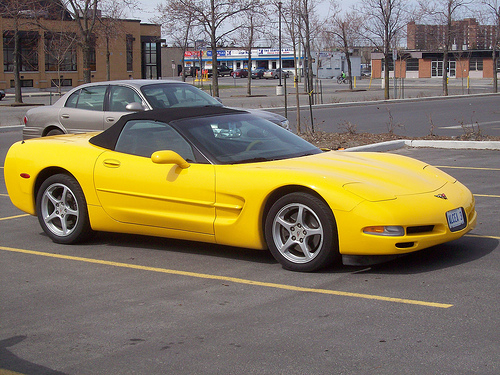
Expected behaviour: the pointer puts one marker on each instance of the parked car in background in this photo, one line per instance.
(98, 105)
(258, 73)
(222, 70)
(274, 73)
(190, 71)
(2, 94)
(239, 73)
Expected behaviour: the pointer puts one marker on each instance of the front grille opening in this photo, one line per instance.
(405, 245)
(420, 229)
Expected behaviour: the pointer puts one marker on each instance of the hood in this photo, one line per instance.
(372, 176)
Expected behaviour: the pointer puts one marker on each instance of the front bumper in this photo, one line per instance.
(423, 216)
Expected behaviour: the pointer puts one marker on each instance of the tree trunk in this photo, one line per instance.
(86, 62)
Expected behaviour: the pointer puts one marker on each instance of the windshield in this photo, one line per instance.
(243, 138)
(171, 95)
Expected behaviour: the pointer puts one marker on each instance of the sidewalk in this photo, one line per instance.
(233, 93)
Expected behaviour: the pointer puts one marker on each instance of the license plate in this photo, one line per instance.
(456, 219)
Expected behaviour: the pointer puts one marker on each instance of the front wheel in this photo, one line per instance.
(301, 233)
(62, 210)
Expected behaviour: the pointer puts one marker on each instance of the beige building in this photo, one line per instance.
(51, 56)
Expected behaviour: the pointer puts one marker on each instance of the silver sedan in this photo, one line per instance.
(97, 106)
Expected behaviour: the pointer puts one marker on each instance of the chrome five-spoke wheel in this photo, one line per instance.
(62, 210)
(301, 232)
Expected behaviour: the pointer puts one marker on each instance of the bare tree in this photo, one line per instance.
(443, 12)
(215, 17)
(179, 26)
(59, 54)
(19, 13)
(85, 15)
(290, 14)
(344, 27)
(305, 14)
(385, 21)
(109, 26)
(253, 25)
(493, 10)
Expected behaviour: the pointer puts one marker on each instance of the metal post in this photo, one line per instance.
(279, 41)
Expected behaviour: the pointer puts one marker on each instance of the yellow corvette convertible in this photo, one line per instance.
(225, 176)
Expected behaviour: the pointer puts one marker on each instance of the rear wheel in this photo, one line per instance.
(62, 210)
(54, 132)
(301, 233)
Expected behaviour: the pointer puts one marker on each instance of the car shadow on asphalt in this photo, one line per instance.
(450, 254)
(180, 246)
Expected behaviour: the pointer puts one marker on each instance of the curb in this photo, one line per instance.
(455, 145)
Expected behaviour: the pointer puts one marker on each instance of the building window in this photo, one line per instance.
(130, 52)
(24, 83)
(28, 49)
(61, 82)
(149, 59)
(476, 64)
(60, 52)
(92, 62)
(412, 65)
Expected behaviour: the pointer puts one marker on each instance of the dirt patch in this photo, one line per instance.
(335, 141)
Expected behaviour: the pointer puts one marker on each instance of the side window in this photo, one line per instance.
(144, 137)
(91, 98)
(121, 96)
(72, 101)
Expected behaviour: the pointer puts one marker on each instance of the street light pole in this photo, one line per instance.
(279, 41)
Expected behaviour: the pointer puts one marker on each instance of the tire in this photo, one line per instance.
(54, 132)
(62, 210)
(301, 233)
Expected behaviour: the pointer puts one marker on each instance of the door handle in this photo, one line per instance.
(110, 119)
(65, 116)
(111, 163)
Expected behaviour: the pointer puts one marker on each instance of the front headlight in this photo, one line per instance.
(388, 230)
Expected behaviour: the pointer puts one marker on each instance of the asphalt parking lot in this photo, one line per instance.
(123, 304)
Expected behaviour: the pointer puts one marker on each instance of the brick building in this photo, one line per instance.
(470, 54)
(51, 55)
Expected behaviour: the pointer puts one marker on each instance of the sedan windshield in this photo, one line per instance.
(243, 138)
(171, 95)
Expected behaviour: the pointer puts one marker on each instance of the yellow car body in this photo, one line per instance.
(228, 204)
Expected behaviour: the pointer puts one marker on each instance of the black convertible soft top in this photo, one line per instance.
(108, 138)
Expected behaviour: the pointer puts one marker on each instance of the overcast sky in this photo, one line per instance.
(150, 5)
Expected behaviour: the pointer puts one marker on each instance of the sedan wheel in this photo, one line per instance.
(301, 233)
(62, 209)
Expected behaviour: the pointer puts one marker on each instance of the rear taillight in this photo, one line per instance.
(25, 120)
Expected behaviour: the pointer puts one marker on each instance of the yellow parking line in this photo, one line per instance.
(13, 217)
(474, 168)
(487, 196)
(4, 195)
(9, 372)
(231, 279)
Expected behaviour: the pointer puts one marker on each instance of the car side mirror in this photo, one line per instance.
(169, 157)
(134, 107)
